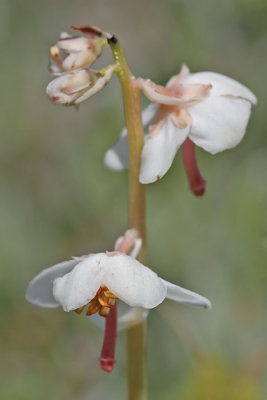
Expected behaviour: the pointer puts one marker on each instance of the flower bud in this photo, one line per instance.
(75, 52)
(74, 87)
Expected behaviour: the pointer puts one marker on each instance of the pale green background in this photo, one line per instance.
(57, 200)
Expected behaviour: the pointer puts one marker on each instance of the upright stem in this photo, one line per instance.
(132, 111)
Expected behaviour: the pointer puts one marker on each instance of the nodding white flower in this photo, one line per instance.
(205, 108)
(74, 87)
(92, 283)
(74, 52)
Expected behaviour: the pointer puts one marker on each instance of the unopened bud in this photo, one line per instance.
(75, 52)
(74, 87)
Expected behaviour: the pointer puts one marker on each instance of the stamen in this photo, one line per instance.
(108, 349)
(197, 184)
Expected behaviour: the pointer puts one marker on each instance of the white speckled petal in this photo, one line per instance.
(132, 282)
(219, 123)
(116, 158)
(160, 149)
(80, 286)
(221, 85)
(40, 290)
(127, 317)
(184, 296)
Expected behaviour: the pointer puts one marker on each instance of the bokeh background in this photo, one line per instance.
(58, 200)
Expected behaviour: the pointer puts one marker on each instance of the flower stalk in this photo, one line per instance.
(136, 211)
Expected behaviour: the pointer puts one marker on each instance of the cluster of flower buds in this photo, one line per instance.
(70, 61)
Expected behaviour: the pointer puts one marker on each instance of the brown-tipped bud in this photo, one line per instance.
(75, 52)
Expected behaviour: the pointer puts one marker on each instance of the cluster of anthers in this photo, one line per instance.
(102, 303)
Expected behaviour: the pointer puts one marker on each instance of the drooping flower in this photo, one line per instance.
(205, 108)
(95, 283)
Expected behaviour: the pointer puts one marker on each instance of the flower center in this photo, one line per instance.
(102, 303)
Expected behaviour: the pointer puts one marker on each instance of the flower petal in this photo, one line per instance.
(160, 149)
(40, 290)
(161, 94)
(131, 281)
(74, 43)
(116, 158)
(127, 317)
(79, 287)
(99, 85)
(184, 296)
(221, 85)
(54, 90)
(219, 123)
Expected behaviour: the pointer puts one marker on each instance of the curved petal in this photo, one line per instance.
(131, 281)
(219, 123)
(99, 85)
(221, 85)
(160, 149)
(184, 296)
(55, 93)
(127, 317)
(79, 287)
(116, 158)
(40, 290)
(74, 43)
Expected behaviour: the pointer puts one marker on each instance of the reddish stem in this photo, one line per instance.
(197, 184)
(108, 349)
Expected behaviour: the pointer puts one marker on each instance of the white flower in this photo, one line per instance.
(93, 283)
(77, 86)
(210, 109)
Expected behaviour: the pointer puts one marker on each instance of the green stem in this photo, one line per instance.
(132, 111)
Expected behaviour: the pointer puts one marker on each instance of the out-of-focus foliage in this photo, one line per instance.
(57, 200)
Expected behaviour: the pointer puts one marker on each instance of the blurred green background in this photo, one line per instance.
(58, 200)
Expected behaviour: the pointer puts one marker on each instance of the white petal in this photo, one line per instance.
(219, 123)
(132, 282)
(74, 43)
(54, 90)
(222, 85)
(79, 287)
(99, 85)
(116, 158)
(185, 296)
(68, 62)
(40, 290)
(127, 317)
(160, 149)
(130, 316)
(78, 81)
